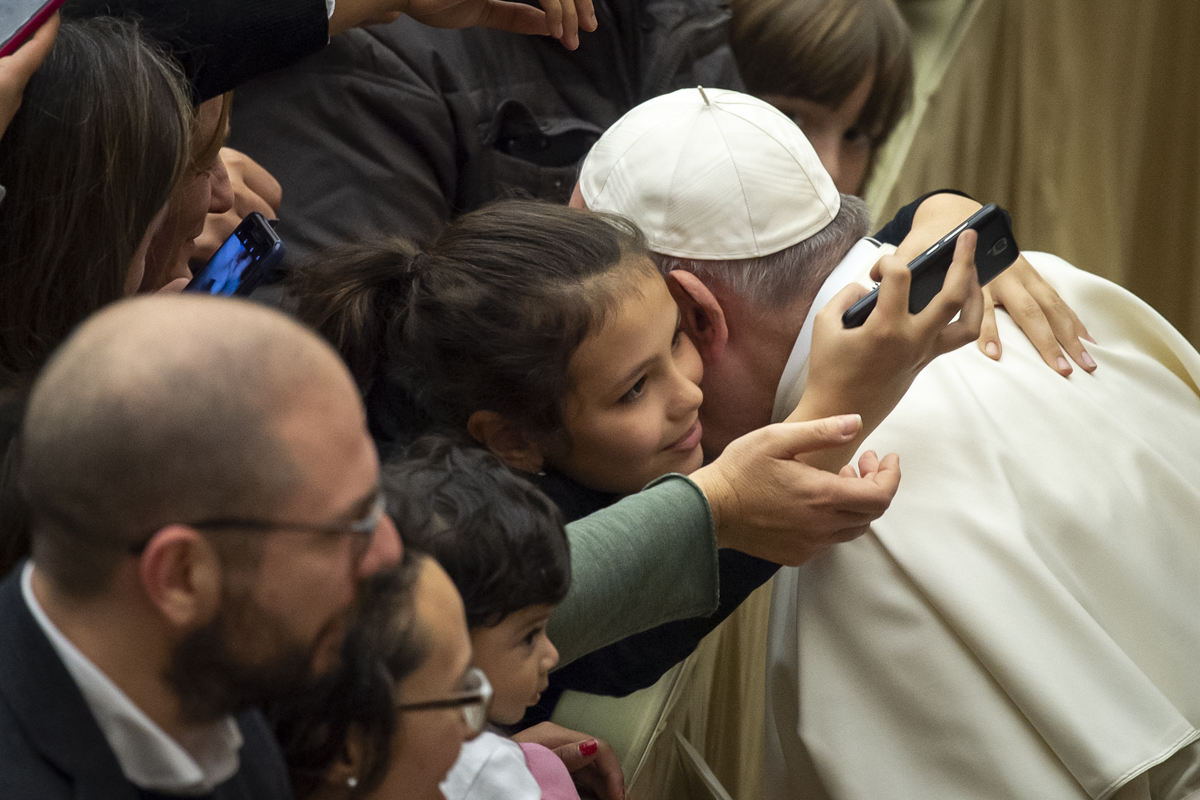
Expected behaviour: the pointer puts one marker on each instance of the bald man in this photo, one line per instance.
(203, 494)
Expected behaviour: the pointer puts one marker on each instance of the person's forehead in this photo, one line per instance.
(632, 331)
(440, 612)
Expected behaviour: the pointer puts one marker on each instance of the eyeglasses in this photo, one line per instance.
(361, 529)
(475, 700)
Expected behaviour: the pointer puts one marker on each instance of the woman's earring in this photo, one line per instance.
(352, 782)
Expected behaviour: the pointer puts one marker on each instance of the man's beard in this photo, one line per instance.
(210, 677)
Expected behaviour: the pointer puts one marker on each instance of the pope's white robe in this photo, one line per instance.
(1024, 621)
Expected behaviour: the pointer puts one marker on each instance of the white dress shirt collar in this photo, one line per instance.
(854, 267)
(149, 758)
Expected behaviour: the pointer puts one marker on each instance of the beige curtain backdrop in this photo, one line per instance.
(1082, 117)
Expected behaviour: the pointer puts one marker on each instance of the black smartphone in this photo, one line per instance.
(20, 19)
(995, 251)
(248, 256)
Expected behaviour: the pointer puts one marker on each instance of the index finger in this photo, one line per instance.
(554, 16)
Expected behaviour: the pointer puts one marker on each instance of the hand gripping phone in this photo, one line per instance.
(20, 19)
(247, 257)
(995, 251)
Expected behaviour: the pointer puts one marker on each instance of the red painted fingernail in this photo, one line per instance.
(588, 747)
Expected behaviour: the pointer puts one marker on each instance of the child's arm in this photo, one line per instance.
(652, 558)
(1032, 303)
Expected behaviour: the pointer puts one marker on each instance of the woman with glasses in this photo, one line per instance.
(391, 722)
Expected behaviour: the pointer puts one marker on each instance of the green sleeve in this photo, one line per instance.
(649, 559)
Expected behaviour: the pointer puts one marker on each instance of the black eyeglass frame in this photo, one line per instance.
(362, 528)
(481, 696)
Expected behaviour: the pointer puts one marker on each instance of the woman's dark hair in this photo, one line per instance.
(497, 536)
(821, 50)
(89, 159)
(386, 644)
(485, 318)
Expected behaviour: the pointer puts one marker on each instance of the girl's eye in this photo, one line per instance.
(677, 338)
(635, 392)
(532, 636)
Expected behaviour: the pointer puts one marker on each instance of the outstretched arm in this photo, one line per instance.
(652, 557)
(1033, 304)
(867, 370)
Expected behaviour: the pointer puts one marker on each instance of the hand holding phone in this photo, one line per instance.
(248, 256)
(20, 58)
(20, 18)
(995, 250)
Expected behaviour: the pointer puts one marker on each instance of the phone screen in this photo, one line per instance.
(19, 19)
(242, 261)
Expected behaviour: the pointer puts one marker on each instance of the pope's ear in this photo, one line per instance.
(181, 574)
(700, 314)
(508, 440)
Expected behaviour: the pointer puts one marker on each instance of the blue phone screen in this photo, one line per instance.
(223, 273)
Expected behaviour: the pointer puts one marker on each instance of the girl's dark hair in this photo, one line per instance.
(821, 50)
(497, 536)
(485, 318)
(384, 646)
(89, 159)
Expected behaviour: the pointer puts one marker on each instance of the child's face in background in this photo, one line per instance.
(517, 657)
(844, 148)
(633, 412)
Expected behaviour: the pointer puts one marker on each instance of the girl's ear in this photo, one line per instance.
(506, 439)
(700, 314)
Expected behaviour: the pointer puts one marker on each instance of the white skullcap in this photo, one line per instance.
(710, 174)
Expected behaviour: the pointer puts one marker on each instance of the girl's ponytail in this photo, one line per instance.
(354, 295)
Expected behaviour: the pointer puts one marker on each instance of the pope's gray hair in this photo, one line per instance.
(778, 280)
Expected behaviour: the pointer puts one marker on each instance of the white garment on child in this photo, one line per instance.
(491, 767)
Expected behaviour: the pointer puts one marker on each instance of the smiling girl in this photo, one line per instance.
(544, 332)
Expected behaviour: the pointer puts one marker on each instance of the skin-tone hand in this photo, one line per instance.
(17, 69)
(560, 19)
(591, 762)
(254, 189)
(769, 504)
(867, 370)
(1040, 313)
(1033, 304)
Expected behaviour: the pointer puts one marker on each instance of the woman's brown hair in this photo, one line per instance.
(91, 157)
(821, 50)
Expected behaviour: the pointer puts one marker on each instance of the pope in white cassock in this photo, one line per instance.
(1024, 621)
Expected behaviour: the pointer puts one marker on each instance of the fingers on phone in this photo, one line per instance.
(895, 279)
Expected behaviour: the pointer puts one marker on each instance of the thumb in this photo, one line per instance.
(789, 439)
(577, 755)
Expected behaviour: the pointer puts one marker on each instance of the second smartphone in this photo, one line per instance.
(995, 251)
(246, 258)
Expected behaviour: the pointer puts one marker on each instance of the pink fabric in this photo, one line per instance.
(550, 773)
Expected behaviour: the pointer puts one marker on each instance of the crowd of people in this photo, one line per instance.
(553, 377)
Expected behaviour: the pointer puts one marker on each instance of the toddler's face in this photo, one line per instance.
(517, 658)
(633, 412)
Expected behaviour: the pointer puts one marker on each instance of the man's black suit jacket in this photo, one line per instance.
(50, 744)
